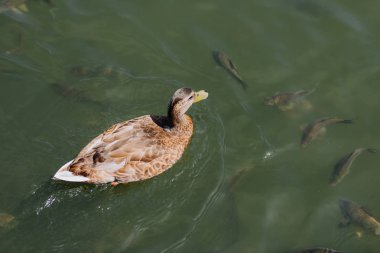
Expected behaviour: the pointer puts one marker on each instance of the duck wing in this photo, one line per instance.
(124, 152)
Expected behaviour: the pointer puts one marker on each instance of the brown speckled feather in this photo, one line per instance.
(133, 150)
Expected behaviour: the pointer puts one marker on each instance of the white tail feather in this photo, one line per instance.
(65, 175)
(69, 176)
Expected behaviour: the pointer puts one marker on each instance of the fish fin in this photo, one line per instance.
(306, 105)
(359, 233)
(300, 93)
(288, 106)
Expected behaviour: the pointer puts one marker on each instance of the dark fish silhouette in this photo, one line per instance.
(223, 60)
(285, 98)
(356, 214)
(342, 168)
(72, 92)
(314, 128)
(106, 71)
(67, 90)
(319, 250)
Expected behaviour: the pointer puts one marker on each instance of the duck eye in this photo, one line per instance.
(191, 97)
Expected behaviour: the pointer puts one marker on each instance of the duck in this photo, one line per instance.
(136, 149)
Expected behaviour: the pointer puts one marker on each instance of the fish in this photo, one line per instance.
(223, 60)
(319, 250)
(286, 100)
(342, 167)
(16, 6)
(312, 130)
(353, 213)
(66, 90)
(105, 71)
(6, 219)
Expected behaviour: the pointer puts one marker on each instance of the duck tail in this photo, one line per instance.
(65, 175)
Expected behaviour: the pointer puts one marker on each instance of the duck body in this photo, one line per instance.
(132, 150)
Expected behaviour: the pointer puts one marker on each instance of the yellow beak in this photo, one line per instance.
(200, 95)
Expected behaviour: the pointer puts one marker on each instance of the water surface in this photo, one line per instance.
(71, 70)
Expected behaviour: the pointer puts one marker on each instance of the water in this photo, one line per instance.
(281, 201)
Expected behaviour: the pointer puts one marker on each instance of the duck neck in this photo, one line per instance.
(174, 117)
(176, 120)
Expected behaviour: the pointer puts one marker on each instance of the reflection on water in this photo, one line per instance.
(70, 70)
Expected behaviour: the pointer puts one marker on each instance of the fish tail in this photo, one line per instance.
(346, 121)
(332, 182)
(372, 150)
(242, 82)
(377, 231)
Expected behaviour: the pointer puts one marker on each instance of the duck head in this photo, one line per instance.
(181, 101)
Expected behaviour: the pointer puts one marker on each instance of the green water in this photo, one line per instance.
(281, 202)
